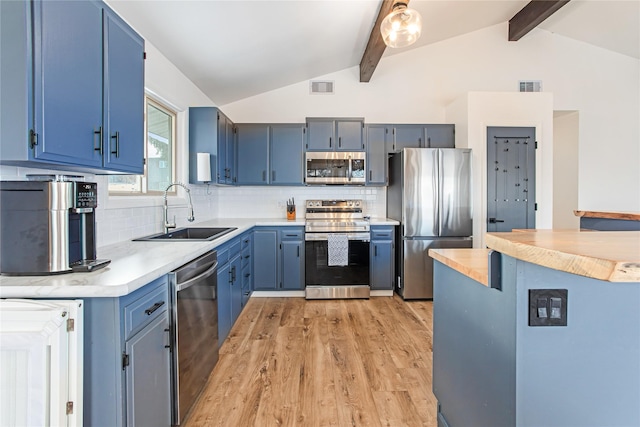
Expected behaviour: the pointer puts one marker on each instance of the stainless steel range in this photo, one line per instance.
(336, 250)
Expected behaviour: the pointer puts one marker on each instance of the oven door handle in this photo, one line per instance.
(209, 272)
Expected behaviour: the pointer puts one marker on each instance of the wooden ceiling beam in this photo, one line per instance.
(375, 45)
(531, 16)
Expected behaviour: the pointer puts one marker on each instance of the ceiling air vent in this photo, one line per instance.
(530, 85)
(321, 87)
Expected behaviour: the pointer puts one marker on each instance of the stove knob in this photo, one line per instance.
(318, 203)
(358, 203)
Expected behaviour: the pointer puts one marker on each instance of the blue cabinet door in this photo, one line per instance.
(203, 138)
(148, 376)
(440, 136)
(292, 265)
(265, 260)
(225, 149)
(287, 154)
(407, 136)
(349, 135)
(252, 142)
(381, 270)
(320, 135)
(123, 96)
(377, 154)
(224, 303)
(67, 50)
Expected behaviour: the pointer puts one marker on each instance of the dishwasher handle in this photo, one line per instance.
(193, 281)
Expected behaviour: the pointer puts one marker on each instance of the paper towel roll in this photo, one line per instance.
(204, 167)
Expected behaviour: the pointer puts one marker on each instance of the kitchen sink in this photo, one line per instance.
(188, 234)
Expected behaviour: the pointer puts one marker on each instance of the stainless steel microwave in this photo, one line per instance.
(335, 167)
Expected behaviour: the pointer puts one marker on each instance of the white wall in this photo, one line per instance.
(417, 85)
(477, 111)
(565, 169)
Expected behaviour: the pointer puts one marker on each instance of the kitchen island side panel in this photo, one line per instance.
(588, 372)
(474, 350)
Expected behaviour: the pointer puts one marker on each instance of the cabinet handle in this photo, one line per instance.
(231, 276)
(419, 142)
(264, 176)
(273, 176)
(99, 133)
(375, 250)
(168, 338)
(298, 248)
(233, 271)
(329, 142)
(370, 175)
(116, 136)
(247, 275)
(339, 141)
(246, 256)
(153, 308)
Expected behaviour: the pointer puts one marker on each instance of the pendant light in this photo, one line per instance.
(401, 27)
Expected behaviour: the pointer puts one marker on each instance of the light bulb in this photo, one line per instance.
(401, 27)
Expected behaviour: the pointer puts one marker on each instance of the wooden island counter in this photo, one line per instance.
(491, 368)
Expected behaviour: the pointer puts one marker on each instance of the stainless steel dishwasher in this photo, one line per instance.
(194, 330)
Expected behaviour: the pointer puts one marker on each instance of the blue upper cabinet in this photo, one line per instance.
(406, 136)
(270, 154)
(123, 96)
(253, 154)
(57, 82)
(67, 60)
(210, 131)
(440, 136)
(326, 134)
(226, 150)
(286, 156)
(377, 136)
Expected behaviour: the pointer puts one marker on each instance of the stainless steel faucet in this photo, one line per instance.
(169, 225)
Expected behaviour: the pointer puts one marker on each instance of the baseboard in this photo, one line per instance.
(300, 294)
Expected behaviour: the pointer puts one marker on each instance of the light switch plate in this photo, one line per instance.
(540, 307)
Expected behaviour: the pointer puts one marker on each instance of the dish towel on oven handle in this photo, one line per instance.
(338, 250)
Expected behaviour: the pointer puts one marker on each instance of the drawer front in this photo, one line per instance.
(234, 248)
(246, 257)
(223, 255)
(246, 278)
(382, 233)
(144, 310)
(245, 242)
(292, 234)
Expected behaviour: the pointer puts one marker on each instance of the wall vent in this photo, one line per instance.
(530, 85)
(321, 87)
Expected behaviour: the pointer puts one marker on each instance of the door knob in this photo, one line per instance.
(495, 220)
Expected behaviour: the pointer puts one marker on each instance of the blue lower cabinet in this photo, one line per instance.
(126, 359)
(265, 260)
(292, 249)
(278, 262)
(234, 289)
(382, 257)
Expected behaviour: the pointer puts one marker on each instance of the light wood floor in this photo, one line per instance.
(293, 362)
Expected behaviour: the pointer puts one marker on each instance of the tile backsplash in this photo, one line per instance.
(126, 217)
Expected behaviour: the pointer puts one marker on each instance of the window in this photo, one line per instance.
(159, 170)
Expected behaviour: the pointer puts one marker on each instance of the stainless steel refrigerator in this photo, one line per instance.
(430, 194)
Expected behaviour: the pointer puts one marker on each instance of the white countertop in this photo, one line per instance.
(134, 264)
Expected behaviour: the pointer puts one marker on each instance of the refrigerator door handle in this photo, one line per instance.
(438, 178)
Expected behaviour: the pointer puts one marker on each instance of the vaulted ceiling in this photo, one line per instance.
(235, 49)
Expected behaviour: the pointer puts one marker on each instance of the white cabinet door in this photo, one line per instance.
(41, 363)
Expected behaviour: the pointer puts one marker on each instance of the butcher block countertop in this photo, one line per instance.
(630, 216)
(612, 256)
(472, 263)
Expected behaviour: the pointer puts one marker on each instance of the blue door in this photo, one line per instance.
(511, 196)
(68, 82)
(287, 154)
(124, 97)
